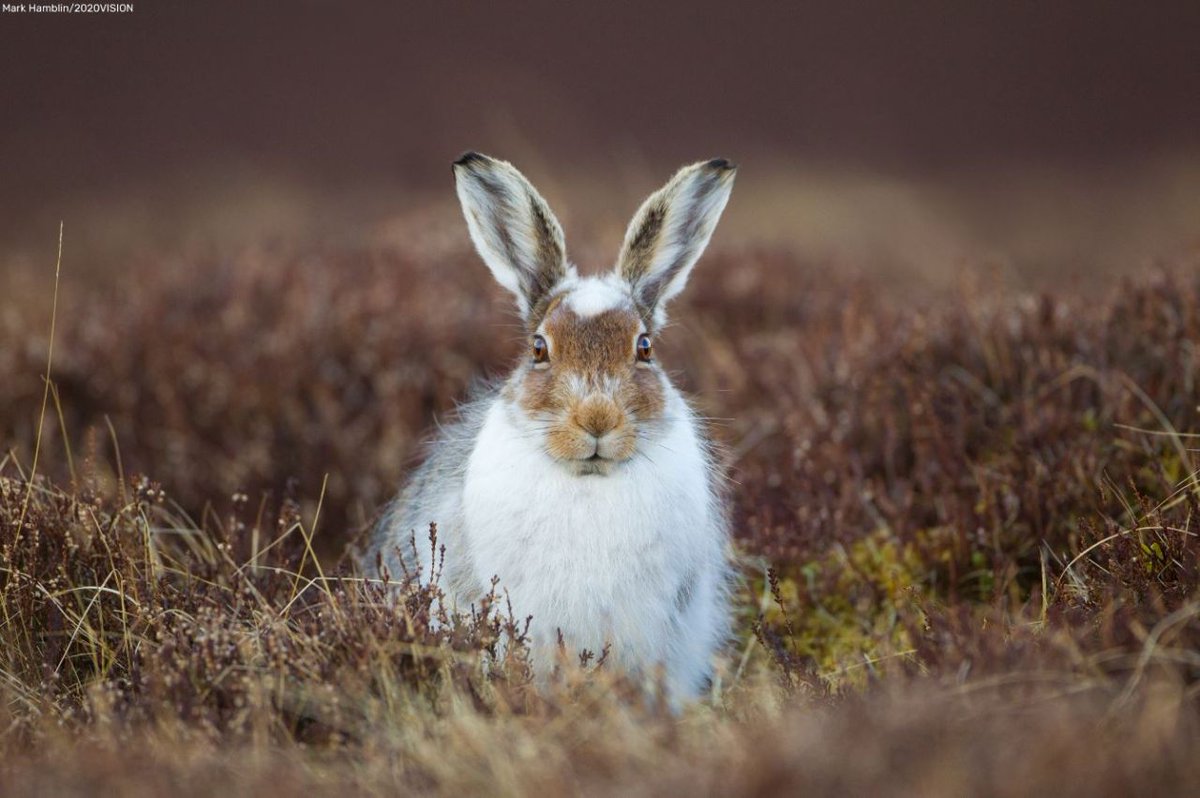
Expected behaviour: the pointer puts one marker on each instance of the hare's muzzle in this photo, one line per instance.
(598, 416)
(599, 432)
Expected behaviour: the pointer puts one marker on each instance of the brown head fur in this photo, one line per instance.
(593, 391)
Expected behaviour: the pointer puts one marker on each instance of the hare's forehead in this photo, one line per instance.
(592, 308)
(593, 296)
(592, 326)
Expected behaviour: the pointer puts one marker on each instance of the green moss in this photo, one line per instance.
(845, 610)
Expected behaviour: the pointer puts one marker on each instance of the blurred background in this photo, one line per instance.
(1037, 139)
(945, 335)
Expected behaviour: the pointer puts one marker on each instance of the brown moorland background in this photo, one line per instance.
(946, 333)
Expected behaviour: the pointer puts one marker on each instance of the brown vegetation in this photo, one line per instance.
(976, 507)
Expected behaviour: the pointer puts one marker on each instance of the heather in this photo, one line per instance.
(963, 518)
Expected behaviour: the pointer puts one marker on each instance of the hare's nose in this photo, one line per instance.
(598, 416)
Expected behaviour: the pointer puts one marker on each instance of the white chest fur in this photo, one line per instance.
(625, 558)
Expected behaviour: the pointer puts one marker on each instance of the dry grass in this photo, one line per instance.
(977, 506)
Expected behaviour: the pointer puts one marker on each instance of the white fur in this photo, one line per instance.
(601, 558)
(594, 295)
(635, 558)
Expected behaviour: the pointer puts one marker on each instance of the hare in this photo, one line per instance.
(584, 482)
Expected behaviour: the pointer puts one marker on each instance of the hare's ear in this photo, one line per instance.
(670, 231)
(513, 229)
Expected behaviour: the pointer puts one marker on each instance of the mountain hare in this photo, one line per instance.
(584, 482)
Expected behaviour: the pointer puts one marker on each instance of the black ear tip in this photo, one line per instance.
(469, 158)
(721, 165)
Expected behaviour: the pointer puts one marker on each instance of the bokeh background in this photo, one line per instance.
(945, 335)
(1030, 137)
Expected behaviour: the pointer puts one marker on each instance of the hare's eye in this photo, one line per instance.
(541, 352)
(644, 350)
